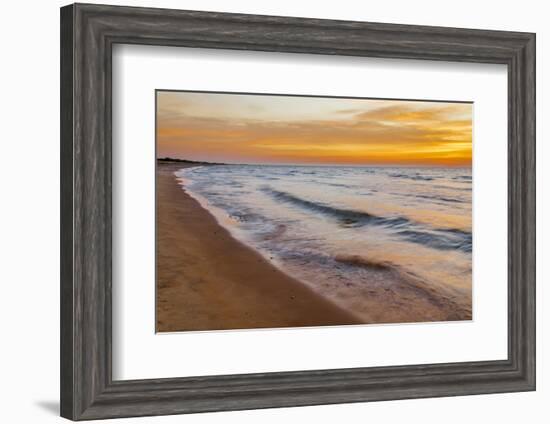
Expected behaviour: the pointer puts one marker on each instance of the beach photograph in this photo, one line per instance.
(277, 211)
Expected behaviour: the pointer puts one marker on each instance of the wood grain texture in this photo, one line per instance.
(66, 212)
(88, 33)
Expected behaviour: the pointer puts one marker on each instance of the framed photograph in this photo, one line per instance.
(311, 211)
(262, 211)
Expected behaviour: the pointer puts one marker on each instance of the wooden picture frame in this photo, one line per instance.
(88, 33)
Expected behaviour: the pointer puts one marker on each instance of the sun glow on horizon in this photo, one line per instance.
(268, 129)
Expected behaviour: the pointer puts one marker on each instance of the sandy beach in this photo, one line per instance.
(207, 280)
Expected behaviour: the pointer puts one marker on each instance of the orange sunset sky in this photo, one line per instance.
(238, 128)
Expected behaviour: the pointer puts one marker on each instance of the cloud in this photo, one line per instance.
(400, 133)
(410, 113)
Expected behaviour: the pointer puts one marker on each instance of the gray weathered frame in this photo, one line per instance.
(88, 33)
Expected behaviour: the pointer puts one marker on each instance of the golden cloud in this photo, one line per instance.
(408, 133)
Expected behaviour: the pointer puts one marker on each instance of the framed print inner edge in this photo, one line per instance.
(88, 33)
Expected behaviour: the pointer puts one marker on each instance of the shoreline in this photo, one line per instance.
(208, 280)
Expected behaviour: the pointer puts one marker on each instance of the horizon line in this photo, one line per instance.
(204, 162)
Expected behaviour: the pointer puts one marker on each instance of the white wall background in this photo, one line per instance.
(29, 212)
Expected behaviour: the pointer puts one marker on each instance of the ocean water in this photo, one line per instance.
(343, 230)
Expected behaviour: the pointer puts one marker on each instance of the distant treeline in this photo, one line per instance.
(167, 159)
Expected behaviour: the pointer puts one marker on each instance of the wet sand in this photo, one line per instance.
(207, 280)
